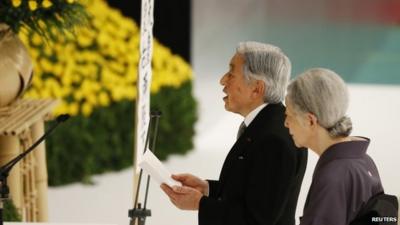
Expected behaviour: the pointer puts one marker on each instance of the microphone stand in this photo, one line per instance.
(5, 169)
(138, 212)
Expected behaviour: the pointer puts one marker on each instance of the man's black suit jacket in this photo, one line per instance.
(261, 176)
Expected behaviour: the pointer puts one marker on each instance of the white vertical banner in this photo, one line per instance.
(144, 79)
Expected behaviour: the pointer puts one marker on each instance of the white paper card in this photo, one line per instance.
(157, 171)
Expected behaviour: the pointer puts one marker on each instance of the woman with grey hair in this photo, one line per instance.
(345, 177)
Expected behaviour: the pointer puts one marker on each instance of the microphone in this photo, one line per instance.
(5, 169)
(62, 118)
(155, 113)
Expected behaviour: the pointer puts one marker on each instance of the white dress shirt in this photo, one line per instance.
(250, 117)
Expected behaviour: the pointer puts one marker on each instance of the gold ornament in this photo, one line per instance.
(15, 66)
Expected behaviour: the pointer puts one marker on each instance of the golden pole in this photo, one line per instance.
(9, 149)
(37, 130)
(28, 178)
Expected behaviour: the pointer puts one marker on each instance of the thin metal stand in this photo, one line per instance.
(138, 213)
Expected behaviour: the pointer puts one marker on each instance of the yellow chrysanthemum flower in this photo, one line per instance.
(46, 65)
(99, 66)
(86, 109)
(70, 1)
(16, 3)
(91, 99)
(32, 5)
(84, 41)
(47, 4)
(61, 108)
(104, 100)
(74, 108)
(36, 40)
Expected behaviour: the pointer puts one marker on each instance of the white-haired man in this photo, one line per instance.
(262, 174)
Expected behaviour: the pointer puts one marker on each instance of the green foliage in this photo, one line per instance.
(10, 213)
(42, 15)
(176, 128)
(84, 146)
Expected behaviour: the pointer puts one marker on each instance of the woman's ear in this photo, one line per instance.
(312, 120)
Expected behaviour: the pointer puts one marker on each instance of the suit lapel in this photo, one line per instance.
(256, 128)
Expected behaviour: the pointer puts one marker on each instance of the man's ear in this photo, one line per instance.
(259, 89)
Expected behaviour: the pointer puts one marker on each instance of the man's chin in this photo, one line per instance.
(227, 108)
(298, 145)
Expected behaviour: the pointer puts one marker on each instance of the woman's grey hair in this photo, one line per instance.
(323, 93)
(267, 63)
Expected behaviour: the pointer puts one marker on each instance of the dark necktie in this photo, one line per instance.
(241, 130)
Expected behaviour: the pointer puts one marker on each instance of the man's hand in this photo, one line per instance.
(192, 181)
(182, 197)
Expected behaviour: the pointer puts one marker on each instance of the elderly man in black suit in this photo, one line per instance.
(262, 174)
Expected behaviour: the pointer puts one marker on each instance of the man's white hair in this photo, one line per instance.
(269, 64)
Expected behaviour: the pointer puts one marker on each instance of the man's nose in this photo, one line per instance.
(222, 81)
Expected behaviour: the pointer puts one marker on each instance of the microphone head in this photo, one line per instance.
(62, 118)
(155, 113)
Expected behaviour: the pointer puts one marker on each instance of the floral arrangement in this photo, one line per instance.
(93, 72)
(42, 16)
(98, 66)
